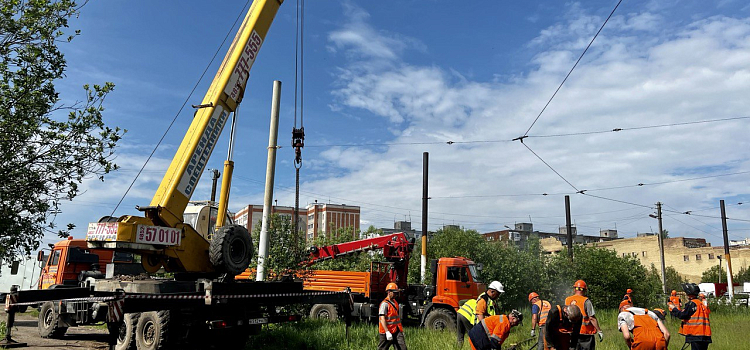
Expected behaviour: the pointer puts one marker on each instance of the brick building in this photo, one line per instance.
(325, 218)
(251, 216)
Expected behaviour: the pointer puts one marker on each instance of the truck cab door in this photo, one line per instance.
(50, 271)
(456, 284)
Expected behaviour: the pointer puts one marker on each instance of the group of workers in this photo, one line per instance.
(562, 327)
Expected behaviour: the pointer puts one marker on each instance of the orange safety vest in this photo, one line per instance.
(698, 324)
(676, 301)
(392, 319)
(627, 296)
(646, 333)
(580, 301)
(562, 328)
(544, 307)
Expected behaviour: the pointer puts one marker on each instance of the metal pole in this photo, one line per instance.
(569, 228)
(727, 257)
(214, 177)
(423, 260)
(661, 250)
(273, 136)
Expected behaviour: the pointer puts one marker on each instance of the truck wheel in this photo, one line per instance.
(152, 330)
(440, 319)
(125, 331)
(48, 318)
(324, 312)
(231, 250)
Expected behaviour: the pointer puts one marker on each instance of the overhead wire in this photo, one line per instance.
(573, 68)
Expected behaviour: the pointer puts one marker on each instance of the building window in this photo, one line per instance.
(686, 258)
(710, 256)
(697, 256)
(624, 254)
(633, 254)
(643, 253)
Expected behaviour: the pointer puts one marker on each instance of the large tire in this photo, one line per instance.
(324, 312)
(152, 330)
(440, 319)
(125, 331)
(231, 250)
(48, 325)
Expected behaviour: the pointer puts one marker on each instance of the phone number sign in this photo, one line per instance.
(158, 235)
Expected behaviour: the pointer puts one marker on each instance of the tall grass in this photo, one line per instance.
(731, 330)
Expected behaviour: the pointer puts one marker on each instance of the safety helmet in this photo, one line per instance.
(660, 313)
(580, 284)
(674, 292)
(701, 295)
(533, 295)
(624, 303)
(691, 289)
(496, 286)
(391, 287)
(518, 315)
(628, 291)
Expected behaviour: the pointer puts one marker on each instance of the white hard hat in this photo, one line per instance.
(496, 286)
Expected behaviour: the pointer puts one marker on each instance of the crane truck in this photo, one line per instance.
(454, 280)
(202, 301)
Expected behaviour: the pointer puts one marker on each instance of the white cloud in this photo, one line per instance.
(634, 75)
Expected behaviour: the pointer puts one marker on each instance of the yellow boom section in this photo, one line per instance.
(222, 98)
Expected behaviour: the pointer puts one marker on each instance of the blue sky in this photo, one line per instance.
(396, 73)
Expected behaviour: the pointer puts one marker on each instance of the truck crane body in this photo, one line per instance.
(435, 305)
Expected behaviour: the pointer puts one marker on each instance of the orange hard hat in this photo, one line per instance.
(391, 287)
(579, 284)
(629, 291)
(674, 292)
(624, 303)
(533, 295)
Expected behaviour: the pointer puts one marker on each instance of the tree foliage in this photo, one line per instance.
(47, 148)
(716, 274)
(742, 276)
(285, 251)
(674, 279)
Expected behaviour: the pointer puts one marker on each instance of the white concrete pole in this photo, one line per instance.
(270, 172)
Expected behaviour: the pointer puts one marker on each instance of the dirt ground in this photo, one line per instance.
(25, 331)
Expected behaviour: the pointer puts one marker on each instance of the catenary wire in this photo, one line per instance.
(574, 67)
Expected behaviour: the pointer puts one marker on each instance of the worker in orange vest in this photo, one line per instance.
(539, 310)
(627, 296)
(696, 325)
(491, 332)
(675, 300)
(648, 330)
(389, 322)
(589, 325)
(562, 329)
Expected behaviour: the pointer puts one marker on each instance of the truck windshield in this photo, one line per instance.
(474, 274)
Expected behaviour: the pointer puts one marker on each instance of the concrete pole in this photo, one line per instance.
(661, 250)
(273, 136)
(727, 257)
(425, 198)
(569, 228)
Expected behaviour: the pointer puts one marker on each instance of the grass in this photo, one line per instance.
(731, 330)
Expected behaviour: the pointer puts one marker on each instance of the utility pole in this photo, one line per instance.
(214, 177)
(425, 198)
(727, 257)
(273, 136)
(569, 228)
(661, 250)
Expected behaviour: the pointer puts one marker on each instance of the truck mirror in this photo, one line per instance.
(14, 267)
(480, 267)
(40, 256)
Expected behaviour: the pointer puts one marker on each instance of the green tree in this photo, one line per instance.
(715, 274)
(742, 276)
(285, 252)
(674, 279)
(46, 148)
(357, 262)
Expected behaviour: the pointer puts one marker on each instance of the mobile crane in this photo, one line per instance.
(434, 305)
(160, 236)
(204, 304)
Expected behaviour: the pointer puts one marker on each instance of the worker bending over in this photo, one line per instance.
(475, 310)
(563, 326)
(589, 323)
(539, 310)
(491, 332)
(648, 330)
(696, 326)
(391, 332)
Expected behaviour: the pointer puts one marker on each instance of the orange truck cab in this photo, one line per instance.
(70, 259)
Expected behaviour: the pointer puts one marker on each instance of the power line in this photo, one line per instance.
(574, 67)
(637, 128)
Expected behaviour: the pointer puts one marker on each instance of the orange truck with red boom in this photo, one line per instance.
(434, 305)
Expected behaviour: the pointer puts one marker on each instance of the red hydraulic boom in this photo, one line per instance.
(396, 247)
